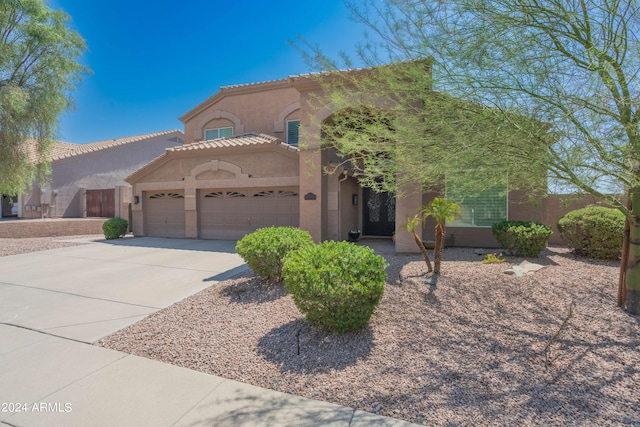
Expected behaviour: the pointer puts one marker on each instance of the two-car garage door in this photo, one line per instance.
(233, 214)
(222, 214)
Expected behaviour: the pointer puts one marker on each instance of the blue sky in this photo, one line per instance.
(152, 61)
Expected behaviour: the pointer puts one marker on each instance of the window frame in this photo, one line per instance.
(218, 131)
(298, 132)
(499, 187)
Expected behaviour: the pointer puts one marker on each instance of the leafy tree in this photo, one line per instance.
(393, 131)
(572, 66)
(39, 67)
(442, 210)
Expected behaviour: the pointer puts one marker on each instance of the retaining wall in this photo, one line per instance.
(22, 228)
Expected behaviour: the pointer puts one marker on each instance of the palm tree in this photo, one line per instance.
(411, 227)
(442, 210)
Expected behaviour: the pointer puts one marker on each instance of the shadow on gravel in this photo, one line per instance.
(253, 290)
(296, 347)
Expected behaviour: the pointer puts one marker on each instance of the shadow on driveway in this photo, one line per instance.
(225, 246)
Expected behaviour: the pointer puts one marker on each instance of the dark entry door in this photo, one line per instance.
(379, 216)
(6, 207)
(101, 203)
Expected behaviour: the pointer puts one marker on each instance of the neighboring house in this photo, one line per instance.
(11, 205)
(252, 158)
(87, 180)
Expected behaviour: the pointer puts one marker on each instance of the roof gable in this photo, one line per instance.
(240, 141)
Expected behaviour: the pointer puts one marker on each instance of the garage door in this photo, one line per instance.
(233, 214)
(164, 214)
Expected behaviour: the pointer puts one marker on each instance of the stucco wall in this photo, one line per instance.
(261, 111)
(102, 169)
(187, 172)
(259, 163)
(349, 213)
(519, 208)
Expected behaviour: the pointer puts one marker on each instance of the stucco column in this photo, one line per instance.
(190, 211)
(311, 177)
(406, 207)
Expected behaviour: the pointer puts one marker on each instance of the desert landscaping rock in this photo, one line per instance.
(467, 351)
(34, 244)
(474, 349)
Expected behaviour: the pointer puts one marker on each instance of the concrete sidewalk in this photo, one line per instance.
(54, 304)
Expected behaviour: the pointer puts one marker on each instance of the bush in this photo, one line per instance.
(114, 228)
(264, 249)
(493, 259)
(335, 285)
(594, 231)
(522, 238)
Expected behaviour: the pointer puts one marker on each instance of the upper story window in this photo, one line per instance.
(218, 133)
(480, 209)
(293, 128)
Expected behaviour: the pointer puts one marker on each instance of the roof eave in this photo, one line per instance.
(235, 90)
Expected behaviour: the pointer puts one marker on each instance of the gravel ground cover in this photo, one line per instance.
(35, 244)
(478, 348)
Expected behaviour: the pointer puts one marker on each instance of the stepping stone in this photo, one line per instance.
(525, 267)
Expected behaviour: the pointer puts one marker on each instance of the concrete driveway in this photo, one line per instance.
(54, 304)
(87, 292)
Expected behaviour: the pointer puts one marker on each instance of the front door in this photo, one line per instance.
(379, 215)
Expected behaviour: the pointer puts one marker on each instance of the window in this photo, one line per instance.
(293, 127)
(482, 209)
(210, 134)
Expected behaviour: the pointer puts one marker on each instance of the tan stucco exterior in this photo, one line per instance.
(267, 166)
(329, 204)
(101, 165)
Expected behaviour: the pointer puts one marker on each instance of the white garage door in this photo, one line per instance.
(234, 213)
(164, 214)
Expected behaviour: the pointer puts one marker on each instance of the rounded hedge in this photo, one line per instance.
(264, 249)
(114, 228)
(594, 231)
(522, 238)
(335, 285)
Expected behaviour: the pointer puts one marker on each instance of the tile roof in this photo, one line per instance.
(292, 77)
(63, 150)
(245, 140)
(248, 139)
(78, 149)
(58, 148)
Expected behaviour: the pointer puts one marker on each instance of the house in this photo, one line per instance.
(252, 158)
(87, 180)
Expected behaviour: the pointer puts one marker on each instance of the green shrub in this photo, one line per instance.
(335, 285)
(264, 249)
(522, 238)
(114, 228)
(594, 231)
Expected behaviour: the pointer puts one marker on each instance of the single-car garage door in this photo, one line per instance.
(164, 214)
(231, 214)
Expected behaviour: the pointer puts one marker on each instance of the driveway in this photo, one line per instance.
(54, 304)
(89, 291)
